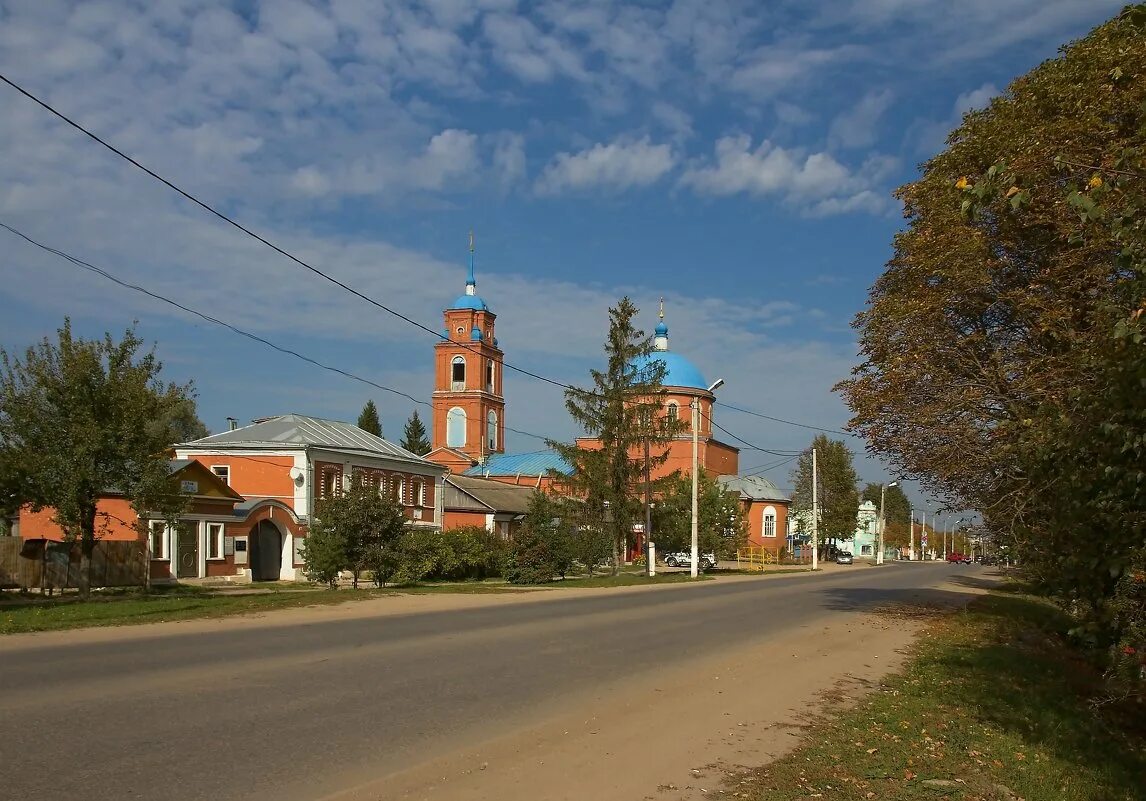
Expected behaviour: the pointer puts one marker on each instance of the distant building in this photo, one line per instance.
(765, 510)
(495, 506)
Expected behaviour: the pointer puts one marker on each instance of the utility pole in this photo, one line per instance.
(882, 520)
(911, 537)
(815, 515)
(694, 564)
(648, 512)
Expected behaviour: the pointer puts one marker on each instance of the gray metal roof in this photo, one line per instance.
(297, 429)
(463, 491)
(756, 488)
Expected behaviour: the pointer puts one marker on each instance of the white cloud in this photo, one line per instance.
(615, 166)
(509, 158)
(858, 127)
(675, 120)
(975, 99)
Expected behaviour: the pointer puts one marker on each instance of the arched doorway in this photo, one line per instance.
(266, 551)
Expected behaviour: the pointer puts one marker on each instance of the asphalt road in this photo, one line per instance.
(296, 712)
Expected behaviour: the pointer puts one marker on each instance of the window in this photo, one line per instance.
(769, 521)
(157, 535)
(329, 486)
(673, 412)
(865, 550)
(419, 492)
(491, 430)
(489, 376)
(458, 373)
(222, 471)
(400, 489)
(214, 540)
(456, 427)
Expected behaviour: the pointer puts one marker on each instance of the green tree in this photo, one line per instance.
(897, 510)
(360, 518)
(721, 528)
(1003, 346)
(368, 421)
(623, 411)
(78, 417)
(838, 497)
(414, 438)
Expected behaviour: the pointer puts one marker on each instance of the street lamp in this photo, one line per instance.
(695, 477)
(882, 521)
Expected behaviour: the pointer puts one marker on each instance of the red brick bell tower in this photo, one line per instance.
(469, 408)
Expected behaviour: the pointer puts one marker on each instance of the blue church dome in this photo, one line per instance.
(679, 371)
(476, 334)
(661, 330)
(470, 302)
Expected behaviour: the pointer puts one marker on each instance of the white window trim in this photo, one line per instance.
(400, 490)
(419, 492)
(218, 537)
(769, 512)
(164, 540)
(215, 469)
(491, 431)
(456, 385)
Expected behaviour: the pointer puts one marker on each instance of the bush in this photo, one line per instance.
(530, 559)
(324, 552)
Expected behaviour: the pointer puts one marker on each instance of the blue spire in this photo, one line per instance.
(470, 300)
(660, 342)
(471, 282)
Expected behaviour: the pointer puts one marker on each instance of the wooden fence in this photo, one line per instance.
(32, 564)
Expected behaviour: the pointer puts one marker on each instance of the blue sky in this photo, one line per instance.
(736, 158)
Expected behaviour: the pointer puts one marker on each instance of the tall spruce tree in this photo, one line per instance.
(623, 410)
(368, 421)
(838, 497)
(414, 437)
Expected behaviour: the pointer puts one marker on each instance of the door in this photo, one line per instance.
(266, 552)
(187, 551)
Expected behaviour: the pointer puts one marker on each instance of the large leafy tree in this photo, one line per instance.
(368, 420)
(414, 437)
(623, 411)
(1003, 346)
(80, 417)
(721, 527)
(838, 497)
(353, 529)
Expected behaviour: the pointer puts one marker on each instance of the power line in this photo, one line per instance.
(785, 422)
(209, 318)
(232, 222)
(750, 446)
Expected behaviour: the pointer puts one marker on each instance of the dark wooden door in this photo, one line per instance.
(187, 551)
(267, 553)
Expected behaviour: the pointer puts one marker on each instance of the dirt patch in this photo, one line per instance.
(669, 735)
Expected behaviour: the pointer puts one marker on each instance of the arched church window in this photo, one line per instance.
(491, 430)
(456, 427)
(673, 412)
(458, 373)
(489, 376)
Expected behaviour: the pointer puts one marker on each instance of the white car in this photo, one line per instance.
(684, 559)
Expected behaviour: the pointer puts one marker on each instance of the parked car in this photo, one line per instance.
(684, 559)
(957, 558)
(843, 558)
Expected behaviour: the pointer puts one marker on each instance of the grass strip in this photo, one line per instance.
(995, 705)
